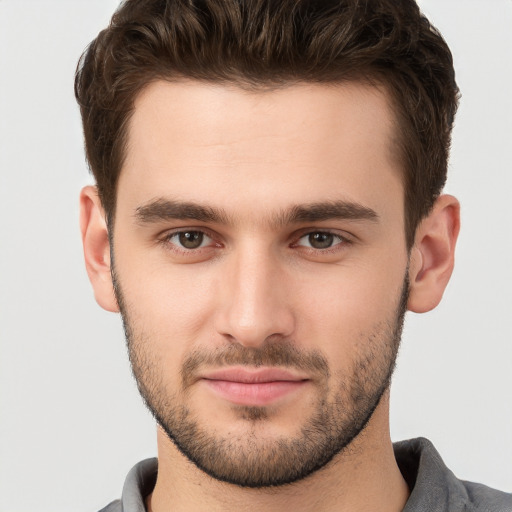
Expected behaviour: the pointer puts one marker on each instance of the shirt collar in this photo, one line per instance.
(139, 484)
(434, 488)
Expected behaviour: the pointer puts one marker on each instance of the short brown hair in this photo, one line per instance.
(268, 43)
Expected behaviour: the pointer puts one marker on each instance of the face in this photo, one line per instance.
(260, 267)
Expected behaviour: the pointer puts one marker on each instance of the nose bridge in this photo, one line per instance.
(255, 297)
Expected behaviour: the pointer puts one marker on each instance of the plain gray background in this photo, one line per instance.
(71, 420)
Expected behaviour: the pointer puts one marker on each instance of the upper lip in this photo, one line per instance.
(253, 375)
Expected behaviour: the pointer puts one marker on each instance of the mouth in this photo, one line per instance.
(253, 387)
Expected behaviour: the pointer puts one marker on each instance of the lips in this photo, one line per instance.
(253, 387)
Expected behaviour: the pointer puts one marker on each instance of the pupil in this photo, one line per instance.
(321, 240)
(191, 239)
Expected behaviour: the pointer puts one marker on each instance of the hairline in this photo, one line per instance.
(372, 78)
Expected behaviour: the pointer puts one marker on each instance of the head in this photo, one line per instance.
(268, 178)
(267, 45)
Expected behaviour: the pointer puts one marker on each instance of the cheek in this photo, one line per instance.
(342, 311)
(169, 308)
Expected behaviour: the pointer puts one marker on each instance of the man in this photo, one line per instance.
(268, 206)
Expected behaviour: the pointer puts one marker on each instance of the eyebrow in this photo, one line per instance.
(329, 210)
(166, 209)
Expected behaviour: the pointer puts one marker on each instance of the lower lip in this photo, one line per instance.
(253, 394)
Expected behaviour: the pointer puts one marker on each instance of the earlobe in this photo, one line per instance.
(432, 256)
(96, 246)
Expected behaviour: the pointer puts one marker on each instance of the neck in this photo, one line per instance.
(364, 477)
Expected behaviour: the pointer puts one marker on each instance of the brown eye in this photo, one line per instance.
(190, 239)
(321, 240)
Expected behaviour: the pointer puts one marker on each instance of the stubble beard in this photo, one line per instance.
(247, 459)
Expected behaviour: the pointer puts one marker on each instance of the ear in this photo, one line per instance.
(432, 256)
(96, 246)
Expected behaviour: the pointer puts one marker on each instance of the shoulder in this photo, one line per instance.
(115, 506)
(486, 499)
(434, 488)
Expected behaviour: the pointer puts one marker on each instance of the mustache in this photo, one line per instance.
(274, 353)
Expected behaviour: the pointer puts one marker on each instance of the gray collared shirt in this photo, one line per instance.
(434, 488)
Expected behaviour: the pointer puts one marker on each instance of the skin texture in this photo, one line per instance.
(293, 204)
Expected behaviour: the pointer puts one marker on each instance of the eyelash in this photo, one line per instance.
(340, 241)
(166, 240)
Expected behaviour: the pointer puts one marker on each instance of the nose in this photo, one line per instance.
(255, 301)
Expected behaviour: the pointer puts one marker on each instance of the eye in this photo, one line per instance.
(320, 240)
(189, 239)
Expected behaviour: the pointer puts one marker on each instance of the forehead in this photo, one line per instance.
(218, 144)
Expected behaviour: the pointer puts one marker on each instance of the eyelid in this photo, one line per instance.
(344, 237)
(166, 236)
